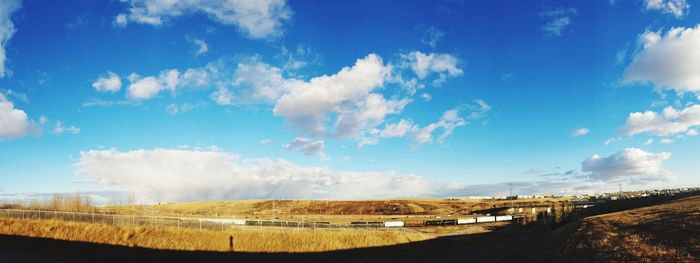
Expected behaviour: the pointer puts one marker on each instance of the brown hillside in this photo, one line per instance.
(662, 233)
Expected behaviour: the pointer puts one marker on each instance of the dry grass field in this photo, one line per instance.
(322, 210)
(245, 239)
(662, 233)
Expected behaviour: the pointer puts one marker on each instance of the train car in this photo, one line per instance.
(449, 222)
(484, 219)
(393, 224)
(433, 222)
(461, 221)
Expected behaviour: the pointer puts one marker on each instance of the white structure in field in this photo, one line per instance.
(461, 221)
(504, 218)
(393, 224)
(483, 219)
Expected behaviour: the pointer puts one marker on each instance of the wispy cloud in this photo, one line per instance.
(558, 19)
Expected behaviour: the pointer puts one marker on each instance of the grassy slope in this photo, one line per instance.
(352, 209)
(662, 233)
(245, 239)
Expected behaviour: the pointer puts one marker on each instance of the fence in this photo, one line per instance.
(175, 222)
(223, 223)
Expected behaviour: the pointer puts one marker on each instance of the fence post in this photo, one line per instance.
(93, 218)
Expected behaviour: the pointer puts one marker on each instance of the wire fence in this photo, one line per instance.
(220, 224)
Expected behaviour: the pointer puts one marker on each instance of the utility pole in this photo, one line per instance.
(510, 185)
(620, 185)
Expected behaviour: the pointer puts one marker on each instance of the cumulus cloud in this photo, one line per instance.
(630, 163)
(222, 96)
(348, 104)
(668, 122)
(678, 8)
(307, 104)
(14, 122)
(264, 83)
(109, 83)
(669, 61)
(143, 88)
(580, 132)
(185, 175)
(7, 29)
(557, 20)
(306, 146)
(256, 19)
(424, 65)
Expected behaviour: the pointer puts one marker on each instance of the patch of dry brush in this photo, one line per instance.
(245, 239)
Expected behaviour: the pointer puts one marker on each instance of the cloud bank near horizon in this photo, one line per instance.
(164, 175)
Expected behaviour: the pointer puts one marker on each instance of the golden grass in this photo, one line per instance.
(661, 233)
(245, 239)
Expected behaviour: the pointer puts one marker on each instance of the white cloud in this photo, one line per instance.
(143, 88)
(668, 122)
(201, 45)
(626, 164)
(222, 96)
(297, 59)
(14, 122)
(183, 175)
(307, 105)
(558, 19)
(692, 132)
(265, 141)
(612, 140)
(668, 61)
(109, 83)
(677, 8)
(7, 29)
(173, 108)
(9, 93)
(666, 141)
(265, 82)
(426, 97)
(256, 19)
(449, 121)
(579, 132)
(399, 129)
(649, 142)
(424, 65)
(121, 20)
(432, 36)
(306, 146)
(59, 129)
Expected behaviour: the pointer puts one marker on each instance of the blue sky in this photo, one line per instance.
(317, 99)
